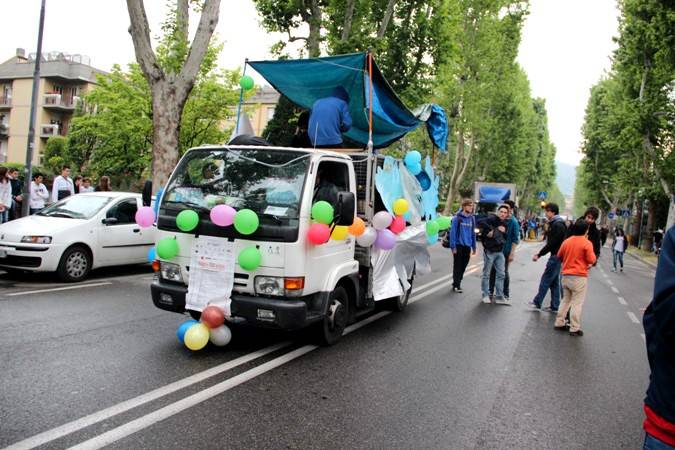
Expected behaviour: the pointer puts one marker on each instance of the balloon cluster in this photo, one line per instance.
(433, 227)
(382, 234)
(195, 335)
(413, 162)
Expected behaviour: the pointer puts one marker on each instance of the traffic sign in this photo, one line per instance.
(611, 216)
(542, 195)
(625, 213)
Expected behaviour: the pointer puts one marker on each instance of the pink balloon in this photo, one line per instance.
(145, 217)
(397, 225)
(222, 215)
(386, 240)
(318, 233)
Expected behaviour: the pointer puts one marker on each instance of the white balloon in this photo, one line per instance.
(220, 336)
(382, 220)
(367, 238)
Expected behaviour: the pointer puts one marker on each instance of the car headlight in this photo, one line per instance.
(278, 286)
(37, 239)
(171, 272)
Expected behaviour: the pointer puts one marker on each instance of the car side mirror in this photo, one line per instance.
(346, 208)
(109, 221)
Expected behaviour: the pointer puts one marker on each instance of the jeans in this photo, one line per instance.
(4, 216)
(618, 255)
(459, 263)
(651, 443)
(550, 279)
(493, 274)
(495, 259)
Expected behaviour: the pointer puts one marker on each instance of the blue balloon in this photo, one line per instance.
(152, 254)
(415, 169)
(433, 239)
(413, 157)
(182, 329)
(424, 180)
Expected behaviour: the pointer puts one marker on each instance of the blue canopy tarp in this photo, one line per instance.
(492, 194)
(303, 81)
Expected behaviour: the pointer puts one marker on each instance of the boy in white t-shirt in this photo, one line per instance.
(63, 186)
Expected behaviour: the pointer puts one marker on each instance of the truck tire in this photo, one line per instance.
(399, 303)
(329, 330)
(75, 264)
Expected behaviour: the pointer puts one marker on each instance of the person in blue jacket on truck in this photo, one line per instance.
(329, 119)
(462, 242)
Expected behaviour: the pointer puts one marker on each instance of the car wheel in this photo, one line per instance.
(330, 329)
(75, 264)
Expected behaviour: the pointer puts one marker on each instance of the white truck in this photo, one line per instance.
(297, 284)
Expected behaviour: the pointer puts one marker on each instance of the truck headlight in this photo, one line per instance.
(37, 239)
(171, 272)
(269, 286)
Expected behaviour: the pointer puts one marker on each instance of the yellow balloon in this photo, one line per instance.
(400, 206)
(340, 233)
(197, 336)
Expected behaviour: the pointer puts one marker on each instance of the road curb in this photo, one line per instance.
(649, 263)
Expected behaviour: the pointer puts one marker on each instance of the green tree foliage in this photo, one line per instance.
(55, 154)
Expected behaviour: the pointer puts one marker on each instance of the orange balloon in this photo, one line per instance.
(358, 227)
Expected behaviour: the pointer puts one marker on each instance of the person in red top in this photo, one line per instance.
(577, 256)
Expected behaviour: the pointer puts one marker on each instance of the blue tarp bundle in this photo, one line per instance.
(304, 81)
(492, 194)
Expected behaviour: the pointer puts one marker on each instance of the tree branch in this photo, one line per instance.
(182, 18)
(200, 43)
(140, 35)
(386, 19)
(347, 25)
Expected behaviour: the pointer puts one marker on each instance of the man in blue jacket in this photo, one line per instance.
(462, 242)
(512, 241)
(329, 119)
(659, 324)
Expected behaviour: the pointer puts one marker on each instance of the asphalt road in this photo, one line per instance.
(97, 365)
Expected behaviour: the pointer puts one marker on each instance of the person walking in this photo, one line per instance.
(329, 119)
(103, 184)
(462, 242)
(512, 241)
(493, 233)
(577, 256)
(659, 323)
(550, 279)
(38, 194)
(17, 193)
(63, 186)
(5, 195)
(619, 248)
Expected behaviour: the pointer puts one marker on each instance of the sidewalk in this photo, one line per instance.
(648, 258)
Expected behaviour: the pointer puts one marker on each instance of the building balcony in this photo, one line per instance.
(4, 131)
(50, 130)
(59, 102)
(5, 102)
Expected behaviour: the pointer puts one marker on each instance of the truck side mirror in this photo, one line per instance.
(346, 208)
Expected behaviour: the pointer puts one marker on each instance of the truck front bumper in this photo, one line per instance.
(277, 313)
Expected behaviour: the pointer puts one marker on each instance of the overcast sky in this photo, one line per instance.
(565, 49)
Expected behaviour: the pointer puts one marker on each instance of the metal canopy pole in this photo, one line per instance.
(241, 99)
(369, 165)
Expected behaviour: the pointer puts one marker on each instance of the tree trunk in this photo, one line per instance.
(167, 109)
(347, 25)
(648, 237)
(386, 19)
(635, 222)
(314, 37)
(459, 152)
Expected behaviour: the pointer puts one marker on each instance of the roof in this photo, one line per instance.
(59, 67)
(266, 95)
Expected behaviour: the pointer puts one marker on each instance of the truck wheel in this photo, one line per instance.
(330, 329)
(75, 264)
(399, 303)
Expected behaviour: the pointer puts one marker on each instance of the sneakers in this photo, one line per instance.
(502, 301)
(614, 269)
(486, 299)
(565, 327)
(532, 305)
(578, 333)
(457, 289)
(551, 310)
(622, 269)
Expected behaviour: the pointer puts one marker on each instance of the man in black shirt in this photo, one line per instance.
(550, 279)
(591, 216)
(493, 232)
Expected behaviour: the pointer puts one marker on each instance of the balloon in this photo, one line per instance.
(413, 157)
(339, 233)
(180, 333)
(424, 179)
(222, 215)
(318, 233)
(246, 221)
(152, 254)
(382, 220)
(415, 169)
(249, 258)
(397, 225)
(167, 248)
(322, 212)
(367, 238)
(386, 240)
(432, 227)
(197, 336)
(400, 206)
(358, 227)
(145, 216)
(246, 82)
(220, 336)
(444, 222)
(433, 239)
(213, 316)
(187, 220)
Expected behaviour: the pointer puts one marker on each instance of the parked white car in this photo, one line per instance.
(77, 234)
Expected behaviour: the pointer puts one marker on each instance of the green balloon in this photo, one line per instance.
(322, 212)
(167, 248)
(187, 220)
(246, 82)
(249, 258)
(246, 221)
(444, 222)
(432, 227)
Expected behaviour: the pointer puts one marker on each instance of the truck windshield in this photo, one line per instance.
(269, 182)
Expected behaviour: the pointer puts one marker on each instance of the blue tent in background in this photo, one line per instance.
(303, 81)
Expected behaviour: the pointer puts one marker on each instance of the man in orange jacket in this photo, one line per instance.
(577, 256)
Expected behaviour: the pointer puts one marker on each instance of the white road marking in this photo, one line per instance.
(610, 282)
(67, 288)
(438, 280)
(604, 274)
(439, 287)
(622, 300)
(633, 317)
(615, 290)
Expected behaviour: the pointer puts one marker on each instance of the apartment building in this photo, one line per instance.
(64, 79)
(261, 107)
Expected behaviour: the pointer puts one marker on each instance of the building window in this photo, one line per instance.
(270, 113)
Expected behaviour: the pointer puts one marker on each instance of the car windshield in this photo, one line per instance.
(268, 182)
(76, 207)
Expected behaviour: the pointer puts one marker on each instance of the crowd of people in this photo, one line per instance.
(11, 190)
